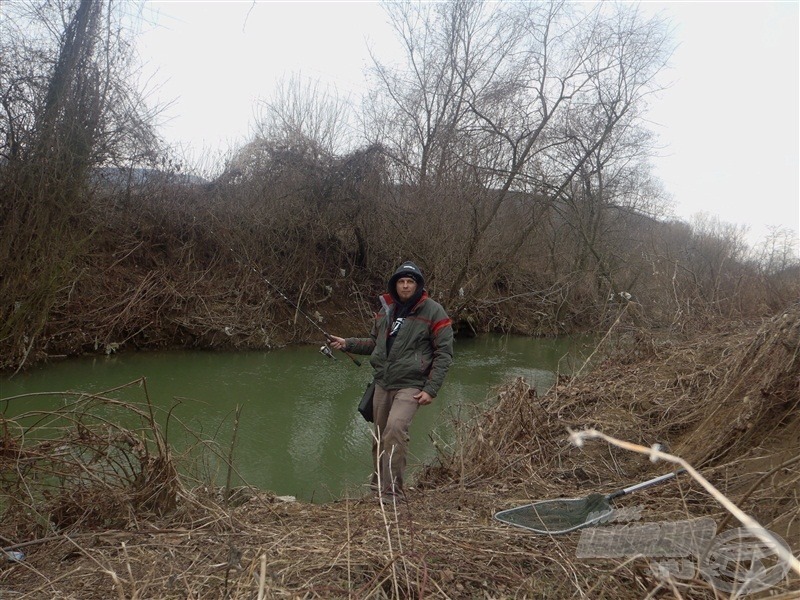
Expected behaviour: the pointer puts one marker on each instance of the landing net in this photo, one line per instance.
(558, 516)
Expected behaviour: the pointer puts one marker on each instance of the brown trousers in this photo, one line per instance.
(392, 412)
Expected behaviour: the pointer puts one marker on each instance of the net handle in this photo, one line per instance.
(644, 484)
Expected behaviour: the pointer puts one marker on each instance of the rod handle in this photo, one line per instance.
(350, 356)
(353, 358)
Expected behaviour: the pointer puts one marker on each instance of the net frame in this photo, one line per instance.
(569, 514)
(558, 516)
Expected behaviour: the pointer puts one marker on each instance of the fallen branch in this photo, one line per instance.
(578, 438)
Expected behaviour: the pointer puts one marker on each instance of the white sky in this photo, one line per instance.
(729, 123)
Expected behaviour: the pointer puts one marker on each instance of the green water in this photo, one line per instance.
(299, 432)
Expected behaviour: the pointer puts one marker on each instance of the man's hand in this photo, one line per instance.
(336, 343)
(423, 398)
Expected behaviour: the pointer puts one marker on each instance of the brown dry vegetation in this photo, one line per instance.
(520, 185)
(184, 266)
(726, 399)
(524, 220)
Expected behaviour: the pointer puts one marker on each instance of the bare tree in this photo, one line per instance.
(606, 205)
(301, 127)
(61, 117)
(299, 174)
(420, 113)
(421, 108)
(301, 109)
(581, 78)
(779, 251)
(511, 105)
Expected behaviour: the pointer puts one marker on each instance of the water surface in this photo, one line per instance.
(299, 432)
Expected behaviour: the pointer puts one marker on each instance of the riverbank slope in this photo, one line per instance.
(726, 399)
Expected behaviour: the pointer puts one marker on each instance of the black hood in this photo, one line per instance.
(407, 269)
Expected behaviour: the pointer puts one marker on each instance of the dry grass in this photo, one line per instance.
(442, 541)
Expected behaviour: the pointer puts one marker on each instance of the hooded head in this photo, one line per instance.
(407, 269)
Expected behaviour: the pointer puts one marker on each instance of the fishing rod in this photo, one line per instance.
(325, 350)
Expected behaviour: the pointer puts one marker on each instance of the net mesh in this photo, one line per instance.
(558, 516)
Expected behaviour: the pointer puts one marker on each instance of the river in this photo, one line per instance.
(299, 432)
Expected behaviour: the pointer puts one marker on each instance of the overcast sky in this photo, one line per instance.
(729, 123)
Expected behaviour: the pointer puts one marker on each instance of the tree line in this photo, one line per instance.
(507, 153)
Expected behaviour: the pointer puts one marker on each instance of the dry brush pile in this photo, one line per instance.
(162, 277)
(689, 395)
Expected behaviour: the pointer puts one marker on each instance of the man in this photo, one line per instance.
(411, 348)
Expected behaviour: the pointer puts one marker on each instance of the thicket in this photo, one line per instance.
(507, 156)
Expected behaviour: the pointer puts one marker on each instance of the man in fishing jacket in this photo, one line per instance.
(411, 348)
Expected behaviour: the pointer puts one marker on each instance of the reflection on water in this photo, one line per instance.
(299, 432)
